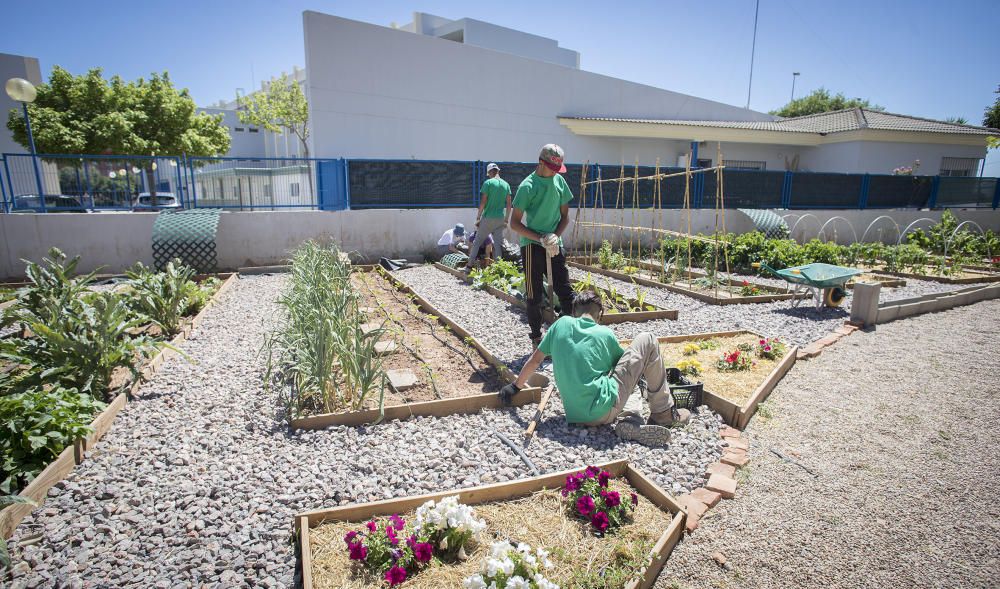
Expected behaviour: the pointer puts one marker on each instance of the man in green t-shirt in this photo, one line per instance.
(494, 212)
(544, 197)
(596, 377)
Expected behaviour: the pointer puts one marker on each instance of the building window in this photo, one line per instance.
(254, 130)
(745, 165)
(295, 188)
(959, 166)
(238, 129)
(704, 163)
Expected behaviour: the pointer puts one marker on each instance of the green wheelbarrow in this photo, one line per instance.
(825, 282)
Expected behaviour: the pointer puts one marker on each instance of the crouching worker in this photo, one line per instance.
(597, 378)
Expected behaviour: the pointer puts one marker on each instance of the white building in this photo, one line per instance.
(468, 90)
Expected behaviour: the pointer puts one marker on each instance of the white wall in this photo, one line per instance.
(243, 143)
(15, 66)
(382, 93)
(117, 240)
(879, 157)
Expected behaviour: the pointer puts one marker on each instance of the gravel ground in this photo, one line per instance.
(905, 492)
(197, 482)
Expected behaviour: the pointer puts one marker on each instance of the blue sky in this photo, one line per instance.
(916, 57)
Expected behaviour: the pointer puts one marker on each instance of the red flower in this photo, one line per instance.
(600, 521)
(573, 482)
(350, 536)
(390, 532)
(372, 526)
(611, 498)
(395, 575)
(585, 505)
(397, 522)
(423, 552)
(591, 472)
(635, 500)
(603, 478)
(746, 283)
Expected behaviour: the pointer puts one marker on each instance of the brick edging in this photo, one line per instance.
(816, 348)
(721, 482)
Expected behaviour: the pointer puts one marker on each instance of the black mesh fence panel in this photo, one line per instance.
(966, 192)
(515, 172)
(745, 189)
(818, 191)
(899, 192)
(411, 184)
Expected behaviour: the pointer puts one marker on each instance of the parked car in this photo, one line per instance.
(56, 203)
(165, 201)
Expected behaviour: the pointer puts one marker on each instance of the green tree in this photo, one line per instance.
(90, 115)
(822, 101)
(957, 120)
(282, 107)
(991, 116)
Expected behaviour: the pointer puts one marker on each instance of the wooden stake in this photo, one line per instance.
(530, 432)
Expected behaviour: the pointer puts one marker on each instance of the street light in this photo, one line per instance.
(794, 75)
(24, 92)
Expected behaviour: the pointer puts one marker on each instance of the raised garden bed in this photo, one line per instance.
(964, 276)
(733, 395)
(531, 510)
(646, 275)
(447, 382)
(75, 453)
(609, 318)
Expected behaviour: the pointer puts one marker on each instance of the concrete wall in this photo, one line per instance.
(377, 92)
(117, 240)
(879, 157)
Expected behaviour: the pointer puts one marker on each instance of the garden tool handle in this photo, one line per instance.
(548, 269)
(528, 433)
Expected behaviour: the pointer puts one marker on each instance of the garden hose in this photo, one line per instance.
(834, 297)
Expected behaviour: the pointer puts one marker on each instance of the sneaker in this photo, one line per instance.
(654, 436)
(672, 418)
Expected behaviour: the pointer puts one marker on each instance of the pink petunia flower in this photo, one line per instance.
(423, 552)
(395, 575)
(585, 505)
(372, 526)
(397, 522)
(611, 498)
(603, 478)
(635, 499)
(600, 521)
(390, 532)
(358, 551)
(350, 536)
(591, 472)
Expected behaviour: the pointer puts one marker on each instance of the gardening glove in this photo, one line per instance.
(550, 241)
(507, 393)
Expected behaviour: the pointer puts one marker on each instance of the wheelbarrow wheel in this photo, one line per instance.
(834, 297)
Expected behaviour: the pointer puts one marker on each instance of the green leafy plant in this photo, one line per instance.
(609, 259)
(199, 293)
(502, 275)
(690, 367)
(709, 344)
(35, 426)
(161, 298)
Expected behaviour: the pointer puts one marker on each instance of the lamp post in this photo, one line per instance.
(794, 75)
(23, 91)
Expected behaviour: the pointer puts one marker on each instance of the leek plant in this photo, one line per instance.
(320, 357)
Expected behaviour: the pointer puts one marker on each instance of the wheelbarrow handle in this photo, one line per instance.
(766, 267)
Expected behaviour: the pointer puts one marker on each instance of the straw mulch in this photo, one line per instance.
(539, 519)
(735, 386)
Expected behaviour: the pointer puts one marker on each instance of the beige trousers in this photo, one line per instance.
(641, 359)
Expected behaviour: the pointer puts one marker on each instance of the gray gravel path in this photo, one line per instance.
(900, 426)
(197, 482)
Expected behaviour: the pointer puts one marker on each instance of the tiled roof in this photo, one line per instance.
(852, 119)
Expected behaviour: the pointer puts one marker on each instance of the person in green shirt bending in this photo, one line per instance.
(597, 378)
(494, 213)
(544, 197)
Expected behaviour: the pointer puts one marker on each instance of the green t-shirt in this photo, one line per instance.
(583, 354)
(496, 191)
(540, 199)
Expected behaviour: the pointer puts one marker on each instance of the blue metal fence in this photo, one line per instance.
(114, 182)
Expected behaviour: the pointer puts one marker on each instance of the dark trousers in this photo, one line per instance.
(534, 269)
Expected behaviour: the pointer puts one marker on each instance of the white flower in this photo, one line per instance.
(507, 566)
(542, 583)
(444, 543)
(524, 548)
(461, 553)
(530, 560)
(492, 567)
(474, 582)
(500, 549)
(517, 582)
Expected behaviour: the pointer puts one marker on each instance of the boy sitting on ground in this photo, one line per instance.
(597, 378)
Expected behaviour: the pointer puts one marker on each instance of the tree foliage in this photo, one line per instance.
(957, 120)
(822, 100)
(90, 115)
(991, 116)
(280, 108)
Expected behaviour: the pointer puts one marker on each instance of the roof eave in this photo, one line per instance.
(686, 132)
